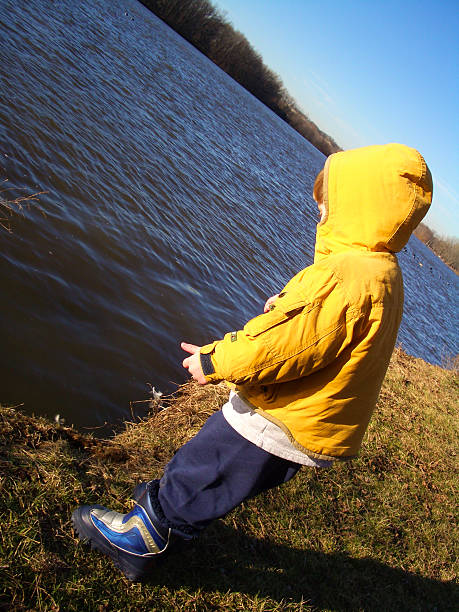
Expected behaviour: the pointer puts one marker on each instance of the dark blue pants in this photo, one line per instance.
(212, 474)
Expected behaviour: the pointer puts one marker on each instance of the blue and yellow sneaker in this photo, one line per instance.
(131, 540)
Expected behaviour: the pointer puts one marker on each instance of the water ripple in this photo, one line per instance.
(176, 203)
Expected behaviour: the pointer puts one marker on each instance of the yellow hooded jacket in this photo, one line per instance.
(315, 363)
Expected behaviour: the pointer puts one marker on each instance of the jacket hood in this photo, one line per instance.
(374, 197)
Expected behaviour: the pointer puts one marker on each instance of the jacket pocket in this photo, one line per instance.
(285, 308)
(270, 392)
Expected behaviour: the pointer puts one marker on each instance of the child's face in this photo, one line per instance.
(322, 210)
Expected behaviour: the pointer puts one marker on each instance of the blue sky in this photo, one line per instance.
(370, 72)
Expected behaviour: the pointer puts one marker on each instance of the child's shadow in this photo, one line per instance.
(225, 560)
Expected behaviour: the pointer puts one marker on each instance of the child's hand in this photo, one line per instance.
(193, 363)
(269, 302)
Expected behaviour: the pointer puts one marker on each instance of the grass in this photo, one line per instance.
(10, 207)
(379, 533)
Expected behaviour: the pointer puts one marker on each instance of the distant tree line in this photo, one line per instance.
(201, 24)
(204, 26)
(446, 248)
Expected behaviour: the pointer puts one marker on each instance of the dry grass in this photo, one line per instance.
(379, 533)
(8, 208)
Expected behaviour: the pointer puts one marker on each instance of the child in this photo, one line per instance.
(306, 373)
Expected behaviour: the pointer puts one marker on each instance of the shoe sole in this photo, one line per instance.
(133, 567)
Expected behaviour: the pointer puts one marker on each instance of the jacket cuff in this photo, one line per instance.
(207, 364)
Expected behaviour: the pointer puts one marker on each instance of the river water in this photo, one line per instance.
(175, 204)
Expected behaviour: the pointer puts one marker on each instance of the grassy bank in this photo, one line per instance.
(379, 533)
